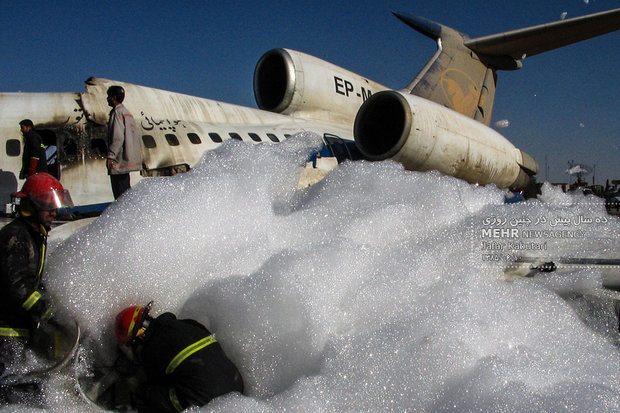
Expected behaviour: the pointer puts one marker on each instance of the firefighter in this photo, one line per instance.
(33, 158)
(25, 307)
(184, 364)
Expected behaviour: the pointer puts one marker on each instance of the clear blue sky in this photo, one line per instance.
(563, 105)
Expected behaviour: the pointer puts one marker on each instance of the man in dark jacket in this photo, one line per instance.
(184, 363)
(24, 303)
(33, 158)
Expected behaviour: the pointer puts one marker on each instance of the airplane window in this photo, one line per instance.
(13, 147)
(273, 137)
(148, 141)
(287, 135)
(235, 136)
(215, 137)
(194, 138)
(172, 139)
(254, 137)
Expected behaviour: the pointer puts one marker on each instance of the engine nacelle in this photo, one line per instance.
(291, 82)
(423, 135)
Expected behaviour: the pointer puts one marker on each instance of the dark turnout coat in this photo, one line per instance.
(33, 149)
(184, 364)
(23, 300)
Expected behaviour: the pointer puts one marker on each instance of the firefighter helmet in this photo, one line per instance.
(45, 192)
(129, 321)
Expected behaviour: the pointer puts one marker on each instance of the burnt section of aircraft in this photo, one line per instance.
(60, 120)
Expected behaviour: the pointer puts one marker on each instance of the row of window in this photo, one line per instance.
(334, 145)
(173, 140)
(13, 146)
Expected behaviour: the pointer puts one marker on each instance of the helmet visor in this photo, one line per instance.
(52, 199)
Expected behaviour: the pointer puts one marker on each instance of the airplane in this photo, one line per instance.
(440, 121)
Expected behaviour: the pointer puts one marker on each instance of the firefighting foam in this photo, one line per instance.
(370, 291)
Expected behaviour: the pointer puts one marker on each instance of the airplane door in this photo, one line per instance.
(342, 149)
(51, 151)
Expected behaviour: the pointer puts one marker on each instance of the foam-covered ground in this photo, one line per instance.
(377, 289)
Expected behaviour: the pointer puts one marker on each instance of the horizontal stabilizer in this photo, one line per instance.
(538, 39)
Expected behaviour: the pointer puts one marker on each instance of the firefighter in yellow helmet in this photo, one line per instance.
(184, 363)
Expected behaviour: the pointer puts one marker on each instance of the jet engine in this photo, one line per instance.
(423, 135)
(291, 82)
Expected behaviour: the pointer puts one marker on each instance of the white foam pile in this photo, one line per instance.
(373, 290)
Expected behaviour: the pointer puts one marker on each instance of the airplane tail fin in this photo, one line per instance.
(462, 73)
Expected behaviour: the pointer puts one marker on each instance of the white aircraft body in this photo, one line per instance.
(438, 122)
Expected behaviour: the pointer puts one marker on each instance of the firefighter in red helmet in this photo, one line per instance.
(24, 304)
(184, 364)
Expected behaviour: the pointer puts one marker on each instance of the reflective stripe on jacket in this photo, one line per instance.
(188, 351)
(14, 332)
(185, 366)
(23, 300)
